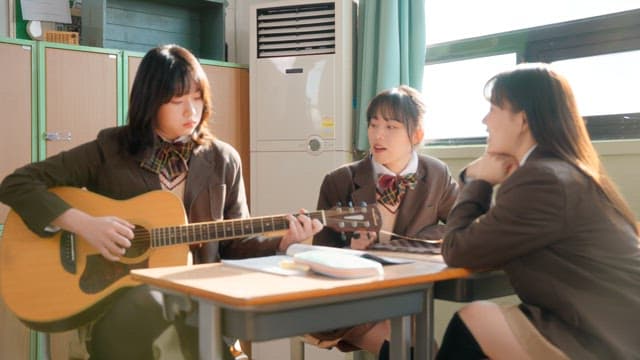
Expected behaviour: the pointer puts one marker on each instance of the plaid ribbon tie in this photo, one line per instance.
(393, 188)
(170, 161)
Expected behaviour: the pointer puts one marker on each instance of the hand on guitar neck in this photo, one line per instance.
(301, 228)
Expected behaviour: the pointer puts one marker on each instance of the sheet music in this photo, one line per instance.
(270, 264)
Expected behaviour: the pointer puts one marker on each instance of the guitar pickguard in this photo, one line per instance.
(100, 273)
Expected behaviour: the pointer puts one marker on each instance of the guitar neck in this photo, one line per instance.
(221, 230)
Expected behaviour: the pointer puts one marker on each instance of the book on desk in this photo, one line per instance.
(329, 261)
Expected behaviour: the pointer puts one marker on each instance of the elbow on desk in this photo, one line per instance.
(455, 255)
(450, 254)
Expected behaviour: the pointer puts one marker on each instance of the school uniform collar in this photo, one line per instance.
(527, 154)
(412, 167)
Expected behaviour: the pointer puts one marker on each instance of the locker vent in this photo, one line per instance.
(296, 30)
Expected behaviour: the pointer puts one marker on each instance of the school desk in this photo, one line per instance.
(259, 306)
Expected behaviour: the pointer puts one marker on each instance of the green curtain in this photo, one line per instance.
(391, 52)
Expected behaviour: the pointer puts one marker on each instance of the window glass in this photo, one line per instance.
(453, 95)
(455, 20)
(604, 84)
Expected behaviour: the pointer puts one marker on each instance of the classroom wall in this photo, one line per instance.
(620, 159)
(4, 18)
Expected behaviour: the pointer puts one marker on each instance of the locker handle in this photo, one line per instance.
(58, 136)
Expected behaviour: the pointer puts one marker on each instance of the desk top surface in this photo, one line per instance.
(240, 288)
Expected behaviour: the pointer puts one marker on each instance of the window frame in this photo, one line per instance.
(604, 34)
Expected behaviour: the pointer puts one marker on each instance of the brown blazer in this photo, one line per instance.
(571, 258)
(420, 212)
(214, 188)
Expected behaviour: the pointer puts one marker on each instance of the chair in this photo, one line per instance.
(297, 351)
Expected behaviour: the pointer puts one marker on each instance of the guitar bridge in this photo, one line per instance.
(68, 251)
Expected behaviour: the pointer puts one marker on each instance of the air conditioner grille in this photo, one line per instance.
(296, 30)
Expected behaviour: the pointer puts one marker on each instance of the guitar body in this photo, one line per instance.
(59, 283)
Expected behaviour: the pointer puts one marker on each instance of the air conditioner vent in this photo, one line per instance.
(296, 30)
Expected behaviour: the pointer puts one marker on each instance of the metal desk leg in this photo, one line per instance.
(296, 348)
(209, 334)
(424, 347)
(400, 338)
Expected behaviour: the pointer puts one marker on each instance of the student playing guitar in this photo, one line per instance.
(166, 145)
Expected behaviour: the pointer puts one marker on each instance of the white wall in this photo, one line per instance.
(4, 18)
(620, 159)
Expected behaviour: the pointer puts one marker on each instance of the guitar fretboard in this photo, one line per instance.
(224, 229)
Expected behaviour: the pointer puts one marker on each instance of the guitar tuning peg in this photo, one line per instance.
(350, 207)
(363, 204)
(343, 236)
(339, 204)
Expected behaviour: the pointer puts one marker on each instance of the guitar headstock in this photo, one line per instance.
(358, 218)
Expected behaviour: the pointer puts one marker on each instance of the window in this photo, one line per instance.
(599, 55)
(455, 20)
(453, 95)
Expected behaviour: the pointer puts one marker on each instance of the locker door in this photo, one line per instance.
(230, 102)
(15, 147)
(81, 96)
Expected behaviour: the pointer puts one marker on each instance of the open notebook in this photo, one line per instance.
(330, 261)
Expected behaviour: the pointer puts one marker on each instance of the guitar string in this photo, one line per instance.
(145, 236)
(142, 236)
(237, 225)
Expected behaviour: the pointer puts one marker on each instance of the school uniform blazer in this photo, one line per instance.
(214, 188)
(419, 213)
(571, 257)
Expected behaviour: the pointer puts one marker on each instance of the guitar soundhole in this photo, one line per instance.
(100, 273)
(140, 244)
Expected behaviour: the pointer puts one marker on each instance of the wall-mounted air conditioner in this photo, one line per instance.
(301, 71)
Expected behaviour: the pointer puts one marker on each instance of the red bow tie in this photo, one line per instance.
(392, 188)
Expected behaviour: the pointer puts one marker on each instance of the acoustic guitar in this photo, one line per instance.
(59, 283)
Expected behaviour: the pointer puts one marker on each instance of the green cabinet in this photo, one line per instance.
(56, 96)
(138, 25)
(16, 127)
(18, 104)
